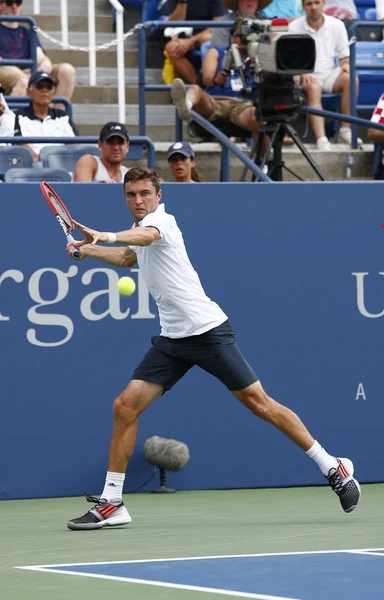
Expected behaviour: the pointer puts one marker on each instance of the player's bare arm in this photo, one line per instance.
(116, 256)
(139, 236)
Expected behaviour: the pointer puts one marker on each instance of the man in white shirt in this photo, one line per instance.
(194, 331)
(39, 119)
(331, 40)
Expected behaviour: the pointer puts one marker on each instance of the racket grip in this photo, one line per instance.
(75, 253)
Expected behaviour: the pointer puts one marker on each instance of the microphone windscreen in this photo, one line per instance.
(166, 453)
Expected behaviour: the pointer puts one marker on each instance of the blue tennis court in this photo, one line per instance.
(352, 574)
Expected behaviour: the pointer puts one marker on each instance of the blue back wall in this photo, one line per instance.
(297, 267)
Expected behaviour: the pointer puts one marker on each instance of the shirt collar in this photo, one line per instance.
(159, 209)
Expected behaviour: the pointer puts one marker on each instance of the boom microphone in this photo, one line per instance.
(168, 455)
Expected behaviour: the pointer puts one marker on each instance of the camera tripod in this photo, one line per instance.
(270, 155)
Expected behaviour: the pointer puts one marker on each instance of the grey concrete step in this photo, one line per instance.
(80, 38)
(107, 94)
(75, 7)
(104, 58)
(87, 114)
(75, 23)
(108, 76)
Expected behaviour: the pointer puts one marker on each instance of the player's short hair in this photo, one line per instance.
(142, 173)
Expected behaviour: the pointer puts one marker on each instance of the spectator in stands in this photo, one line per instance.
(331, 40)
(238, 8)
(222, 98)
(379, 10)
(15, 43)
(7, 118)
(181, 158)
(39, 119)
(113, 145)
(180, 51)
(342, 9)
(376, 135)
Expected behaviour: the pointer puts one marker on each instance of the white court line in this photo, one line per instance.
(154, 560)
(194, 588)
(368, 552)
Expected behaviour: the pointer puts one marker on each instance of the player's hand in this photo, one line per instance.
(91, 236)
(107, 181)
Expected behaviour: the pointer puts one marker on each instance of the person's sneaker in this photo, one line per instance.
(101, 515)
(345, 485)
(345, 137)
(179, 97)
(324, 145)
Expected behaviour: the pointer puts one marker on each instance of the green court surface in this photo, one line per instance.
(185, 524)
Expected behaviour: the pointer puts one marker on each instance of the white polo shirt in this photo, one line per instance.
(331, 42)
(184, 308)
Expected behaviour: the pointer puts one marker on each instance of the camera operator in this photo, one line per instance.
(223, 97)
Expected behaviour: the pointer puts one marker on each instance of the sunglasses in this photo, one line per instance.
(11, 2)
(44, 86)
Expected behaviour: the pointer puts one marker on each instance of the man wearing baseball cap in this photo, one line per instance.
(108, 167)
(181, 158)
(39, 119)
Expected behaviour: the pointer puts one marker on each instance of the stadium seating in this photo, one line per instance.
(14, 157)
(65, 157)
(371, 81)
(36, 175)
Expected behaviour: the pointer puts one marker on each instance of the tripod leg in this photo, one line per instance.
(255, 153)
(305, 152)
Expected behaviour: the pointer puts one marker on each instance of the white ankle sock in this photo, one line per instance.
(322, 139)
(322, 458)
(189, 104)
(343, 129)
(113, 487)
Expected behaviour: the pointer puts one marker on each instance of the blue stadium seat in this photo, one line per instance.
(65, 157)
(12, 157)
(36, 175)
(370, 14)
(371, 81)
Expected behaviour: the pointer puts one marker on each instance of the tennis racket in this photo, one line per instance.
(61, 213)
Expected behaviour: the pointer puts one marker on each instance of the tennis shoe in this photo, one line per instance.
(179, 97)
(345, 485)
(101, 515)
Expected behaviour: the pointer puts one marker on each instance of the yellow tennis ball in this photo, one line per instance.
(126, 286)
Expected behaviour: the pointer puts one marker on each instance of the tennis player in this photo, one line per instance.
(194, 331)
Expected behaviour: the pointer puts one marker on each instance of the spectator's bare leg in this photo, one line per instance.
(247, 120)
(194, 98)
(183, 66)
(313, 92)
(66, 77)
(20, 87)
(341, 86)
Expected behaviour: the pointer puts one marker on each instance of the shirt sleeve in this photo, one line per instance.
(217, 9)
(342, 45)
(7, 124)
(222, 36)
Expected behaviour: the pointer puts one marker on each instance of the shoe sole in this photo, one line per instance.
(178, 93)
(357, 484)
(112, 522)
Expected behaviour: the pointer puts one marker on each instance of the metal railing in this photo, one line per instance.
(353, 71)
(135, 140)
(23, 63)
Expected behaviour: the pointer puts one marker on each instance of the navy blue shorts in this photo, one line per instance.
(214, 351)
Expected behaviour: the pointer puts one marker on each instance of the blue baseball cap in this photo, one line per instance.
(181, 148)
(40, 76)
